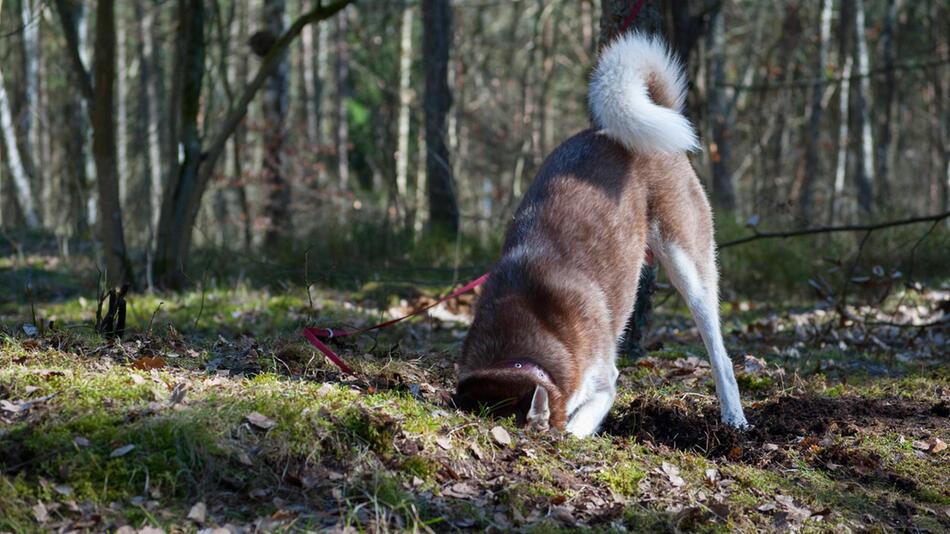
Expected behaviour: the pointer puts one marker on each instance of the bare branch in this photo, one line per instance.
(832, 229)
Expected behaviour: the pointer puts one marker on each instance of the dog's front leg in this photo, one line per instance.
(695, 277)
(588, 416)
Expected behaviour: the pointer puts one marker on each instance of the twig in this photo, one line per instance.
(830, 229)
(148, 331)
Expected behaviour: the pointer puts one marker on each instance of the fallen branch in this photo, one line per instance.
(832, 229)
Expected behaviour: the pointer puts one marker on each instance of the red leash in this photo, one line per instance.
(634, 11)
(316, 336)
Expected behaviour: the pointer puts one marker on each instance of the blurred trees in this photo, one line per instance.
(436, 113)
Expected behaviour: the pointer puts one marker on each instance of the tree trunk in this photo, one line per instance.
(405, 102)
(76, 173)
(723, 191)
(812, 152)
(836, 203)
(864, 172)
(122, 119)
(437, 39)
(887, 102)
(184, 191)
(28, 121)
(239, 139)
(321, 98)
(342, 69)
(274, 111)
(23, 194)
(310, 100)
(118, 268)
(179, 205)
(648, 20)
(148, 86)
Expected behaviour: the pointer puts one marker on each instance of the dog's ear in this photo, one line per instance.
(539, 415)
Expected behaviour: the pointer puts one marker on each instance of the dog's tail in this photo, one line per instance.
(636, 94)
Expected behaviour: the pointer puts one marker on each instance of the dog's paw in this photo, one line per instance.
(736, 421)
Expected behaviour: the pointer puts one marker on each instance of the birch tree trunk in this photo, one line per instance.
(122, 118)
(23, 194)
(405, 102)
(274, 107)
(864, 171)
(28, 131)
(437, 39)
(812, 156)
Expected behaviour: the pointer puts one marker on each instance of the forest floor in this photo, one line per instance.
(213, 412)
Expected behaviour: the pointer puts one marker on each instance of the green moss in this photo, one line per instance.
(420, 466)
(754, 383)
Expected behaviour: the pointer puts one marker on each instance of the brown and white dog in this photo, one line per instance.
(544, 340)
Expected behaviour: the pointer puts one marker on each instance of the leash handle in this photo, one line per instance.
(316, 336)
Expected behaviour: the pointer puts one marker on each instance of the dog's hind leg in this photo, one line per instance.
(699, 289)
(690, 262)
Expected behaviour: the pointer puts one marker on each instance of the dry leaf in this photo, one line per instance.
(147, 363)
(260, 421)
(501, 436)
(40, 512)
(920, 445)
(937, 445)
(121, 451)
(477, 451)
(444, 442)
(673, 474)
(198, 513)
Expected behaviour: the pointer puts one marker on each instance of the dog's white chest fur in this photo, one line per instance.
(588, 406)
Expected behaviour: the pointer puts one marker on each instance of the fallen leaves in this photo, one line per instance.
(501, 436)
(260, 421)
(672, 474)
(19, 407)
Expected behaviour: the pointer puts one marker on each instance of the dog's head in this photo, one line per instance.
(513, 387)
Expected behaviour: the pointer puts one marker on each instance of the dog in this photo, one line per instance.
(543, 343)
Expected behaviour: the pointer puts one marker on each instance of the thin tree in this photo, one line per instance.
(836, 202)
(884, 156)
(186, 186)
(23, 193)
(864, 170)
(275, 103)
(437, 39)
(99, 92)
(405, 102)
(723, 190)
(813, 135)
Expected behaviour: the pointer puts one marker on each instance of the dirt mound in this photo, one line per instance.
(787, 421)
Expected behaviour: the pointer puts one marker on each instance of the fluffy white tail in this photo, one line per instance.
(636, 94)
